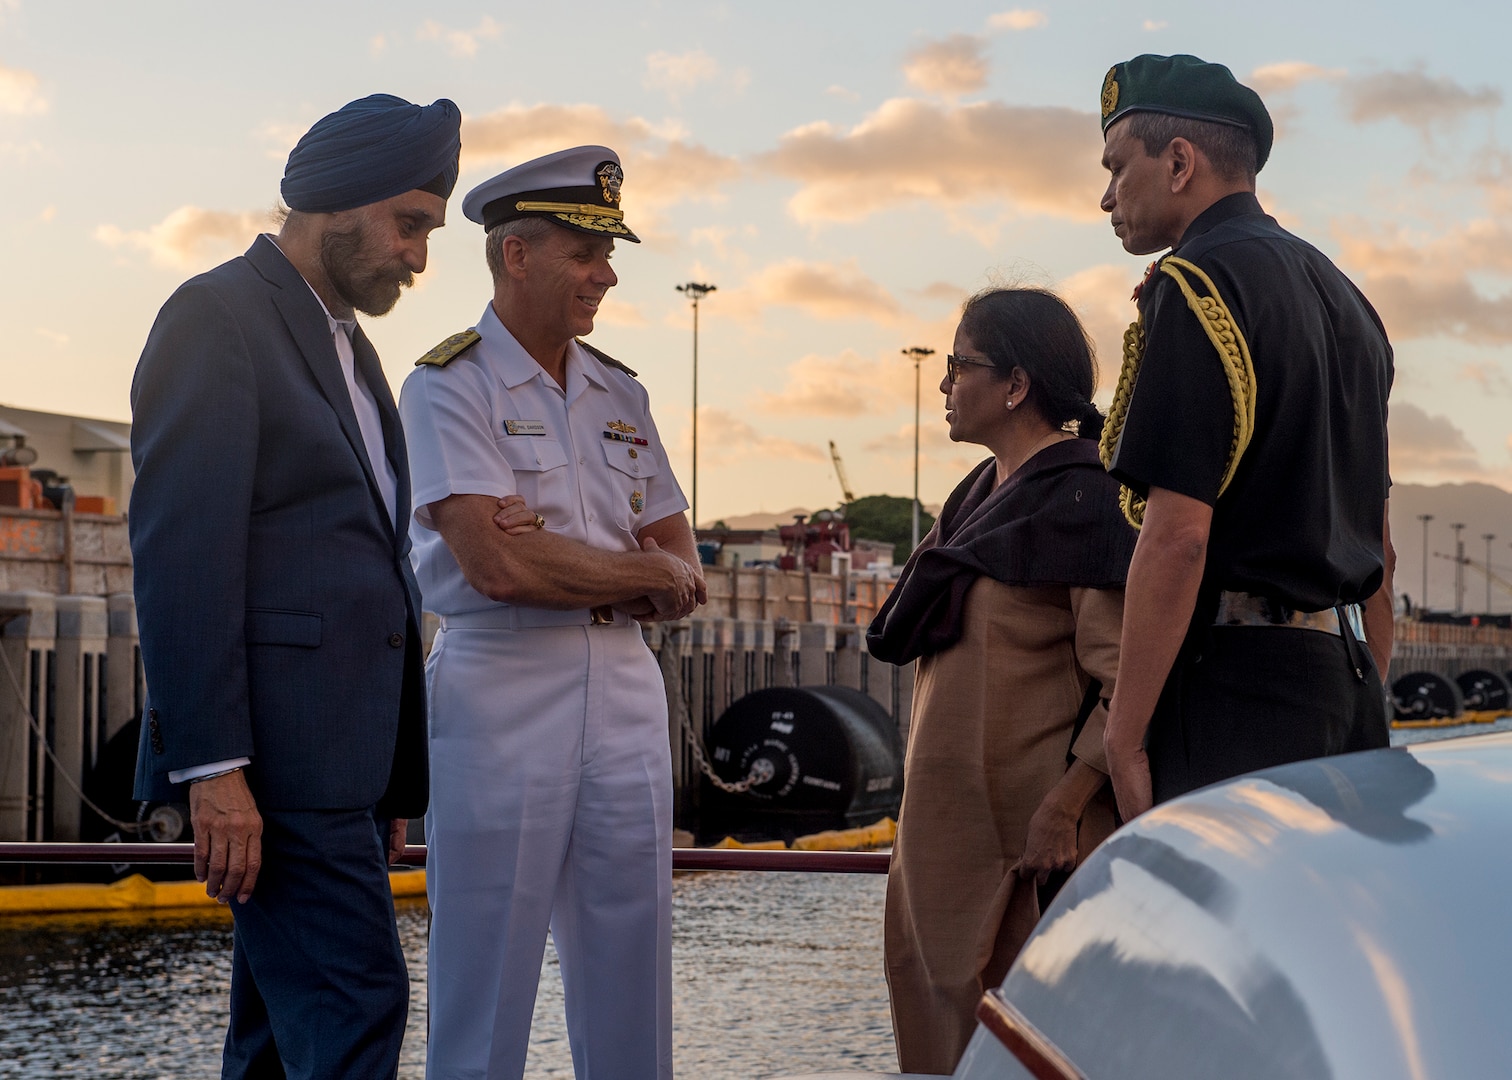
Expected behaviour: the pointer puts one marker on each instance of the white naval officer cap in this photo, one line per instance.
(577, 188)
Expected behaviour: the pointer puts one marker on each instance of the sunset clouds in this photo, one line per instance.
(952, 67)
(1429, 448)
(679, 74)
(1100, 297)
(1034, 159)
(847, 385)
(20, 93)
(823, 290)
(1278, 78)
(1018, 19)
(1415, 98)
(846, 176)
(189, 239)
(738, 439)
(660, 167)
(461, 43)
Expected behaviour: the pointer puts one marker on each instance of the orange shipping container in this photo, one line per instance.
(95, 504)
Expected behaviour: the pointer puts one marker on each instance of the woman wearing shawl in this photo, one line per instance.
(1012, 605)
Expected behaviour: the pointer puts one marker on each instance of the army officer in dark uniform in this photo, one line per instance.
(1249, 430)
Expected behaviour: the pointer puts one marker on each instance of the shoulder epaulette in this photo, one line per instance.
(605, 358)
(450, 349)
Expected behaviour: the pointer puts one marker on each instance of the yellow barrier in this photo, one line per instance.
(136, 893)
(1487, 716)
(758, 845)
(878, 834)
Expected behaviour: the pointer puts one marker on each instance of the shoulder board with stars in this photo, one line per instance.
(605, 358)
(450, 349)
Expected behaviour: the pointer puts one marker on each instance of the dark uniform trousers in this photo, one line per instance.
(1241, 698)
(307, 973)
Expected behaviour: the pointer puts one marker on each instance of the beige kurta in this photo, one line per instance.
(992, 721)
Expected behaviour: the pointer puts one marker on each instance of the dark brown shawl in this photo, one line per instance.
(1055, 521)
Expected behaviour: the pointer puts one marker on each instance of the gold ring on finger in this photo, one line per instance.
(539, 522)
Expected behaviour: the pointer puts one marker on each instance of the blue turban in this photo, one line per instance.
(371, 150)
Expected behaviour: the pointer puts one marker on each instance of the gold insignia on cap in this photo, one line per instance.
(607, 221)
(450, 349)
(567, 209)
(610, 177)
(1110, 93)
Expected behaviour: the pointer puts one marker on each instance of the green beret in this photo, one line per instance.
(1186, 86)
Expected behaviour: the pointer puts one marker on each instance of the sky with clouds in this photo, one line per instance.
(845, 173)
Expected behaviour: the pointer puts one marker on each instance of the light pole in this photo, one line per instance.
(695, 291)
(916, 353)
(1459, 568)
(1423, 597)
(1488, 537)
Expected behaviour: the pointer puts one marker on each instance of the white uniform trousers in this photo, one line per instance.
(551, 793)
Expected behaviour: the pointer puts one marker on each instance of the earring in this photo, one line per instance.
(1010, 403)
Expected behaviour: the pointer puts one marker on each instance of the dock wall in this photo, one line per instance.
(68, 638)
(70, 680)
(1449, 650)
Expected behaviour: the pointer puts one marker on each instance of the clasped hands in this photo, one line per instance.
(681, 587)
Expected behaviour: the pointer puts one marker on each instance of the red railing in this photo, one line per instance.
(792, 862)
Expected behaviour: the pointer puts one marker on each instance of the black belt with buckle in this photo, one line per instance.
(1246, 609)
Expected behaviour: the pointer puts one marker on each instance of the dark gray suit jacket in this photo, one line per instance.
(278, 612)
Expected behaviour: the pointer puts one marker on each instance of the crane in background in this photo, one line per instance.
(840, 473)
(1490, 575)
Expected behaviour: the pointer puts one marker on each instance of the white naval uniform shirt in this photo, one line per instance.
(492, 422)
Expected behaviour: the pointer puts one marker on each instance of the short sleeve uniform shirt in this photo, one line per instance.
(586, 457)
(1301, 521)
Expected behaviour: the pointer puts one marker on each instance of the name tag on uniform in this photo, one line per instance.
(525, 427)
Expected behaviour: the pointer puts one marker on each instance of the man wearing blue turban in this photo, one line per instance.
(279, 616)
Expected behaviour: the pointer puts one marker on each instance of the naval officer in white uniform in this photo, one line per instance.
(550, 762)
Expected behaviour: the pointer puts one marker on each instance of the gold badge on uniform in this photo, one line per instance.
(620, 426)
(637, 501)
(1110, 93)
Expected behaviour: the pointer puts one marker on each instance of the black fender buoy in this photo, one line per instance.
(826, 755)
(1484, 691)
(1424, 695)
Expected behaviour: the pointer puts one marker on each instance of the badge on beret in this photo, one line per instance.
(637, 501)
(1110, 93)
(610, 177)
(1187, 87)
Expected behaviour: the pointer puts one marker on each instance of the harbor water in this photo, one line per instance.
(774, 974)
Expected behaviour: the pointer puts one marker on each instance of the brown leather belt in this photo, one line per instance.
(1246, 609)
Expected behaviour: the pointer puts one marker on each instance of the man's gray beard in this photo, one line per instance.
(353, 272)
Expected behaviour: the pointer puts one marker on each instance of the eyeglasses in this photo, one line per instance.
(954, 364)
